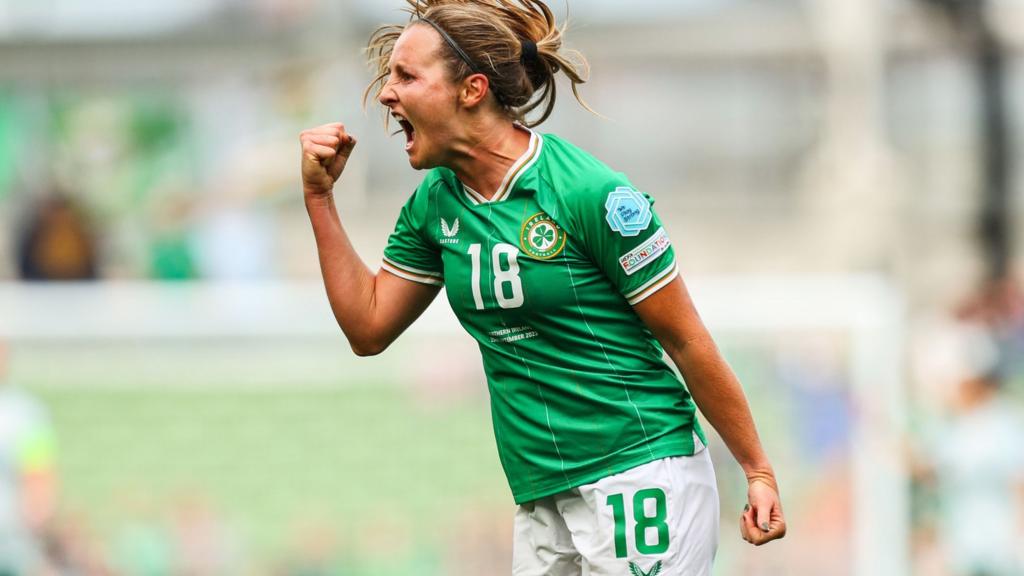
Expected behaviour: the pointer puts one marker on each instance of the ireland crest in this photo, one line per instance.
(541, 237)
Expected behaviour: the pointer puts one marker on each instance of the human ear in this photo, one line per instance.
(474, 90)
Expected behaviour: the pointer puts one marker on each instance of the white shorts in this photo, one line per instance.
(659, 519)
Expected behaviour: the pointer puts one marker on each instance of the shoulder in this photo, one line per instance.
(577, 174)
(578, 186)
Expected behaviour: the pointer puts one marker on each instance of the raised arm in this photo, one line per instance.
(673, 319)
(371, 309)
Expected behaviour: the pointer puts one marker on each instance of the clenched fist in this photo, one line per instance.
(325, 150)
(762, 520)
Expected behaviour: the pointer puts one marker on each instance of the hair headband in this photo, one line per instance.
(528, 47)
(451, 42)
(529, 52)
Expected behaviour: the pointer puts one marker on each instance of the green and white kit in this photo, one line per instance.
(544, 276)
(658, 519)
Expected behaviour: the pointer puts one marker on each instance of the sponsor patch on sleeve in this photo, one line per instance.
(628, 211)
(645, 253)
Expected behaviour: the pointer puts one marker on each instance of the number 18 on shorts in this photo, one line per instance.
(659, 519)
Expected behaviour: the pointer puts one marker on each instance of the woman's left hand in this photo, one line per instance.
(762, 520)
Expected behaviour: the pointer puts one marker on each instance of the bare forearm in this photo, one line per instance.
(371, 309)
(673, 319)
(348, 281)
(719, 396)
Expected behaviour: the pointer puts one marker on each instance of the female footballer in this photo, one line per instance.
(562, 272)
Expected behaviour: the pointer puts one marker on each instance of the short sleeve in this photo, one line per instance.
(409, 254)
(625, 238)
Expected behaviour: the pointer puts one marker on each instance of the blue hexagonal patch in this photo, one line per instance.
(629, 212)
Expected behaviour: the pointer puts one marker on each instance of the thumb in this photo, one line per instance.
(337, 163)
(763, 515)
(348, 144)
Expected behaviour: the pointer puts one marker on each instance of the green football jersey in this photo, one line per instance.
(544, 276)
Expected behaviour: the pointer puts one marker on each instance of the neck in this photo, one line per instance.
(489, 151)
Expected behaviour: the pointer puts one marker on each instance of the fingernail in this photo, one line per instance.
(746, 507)
(764, 526)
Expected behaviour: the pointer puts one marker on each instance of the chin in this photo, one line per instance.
(419, 163)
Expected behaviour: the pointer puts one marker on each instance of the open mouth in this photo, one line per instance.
(407, 127)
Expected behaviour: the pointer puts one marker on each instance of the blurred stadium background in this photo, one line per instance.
(839, 177)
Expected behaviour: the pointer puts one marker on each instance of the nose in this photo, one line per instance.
(387, 94)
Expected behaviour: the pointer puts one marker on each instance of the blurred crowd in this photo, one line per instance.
(967, 438)
(57, 242)
(58, 239)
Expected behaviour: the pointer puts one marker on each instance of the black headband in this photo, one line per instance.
(528, 55)
(451, 42)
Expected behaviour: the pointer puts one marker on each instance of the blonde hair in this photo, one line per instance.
(493, 34)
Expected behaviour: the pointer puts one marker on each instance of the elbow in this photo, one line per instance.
(364, 349)
(365, 341)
